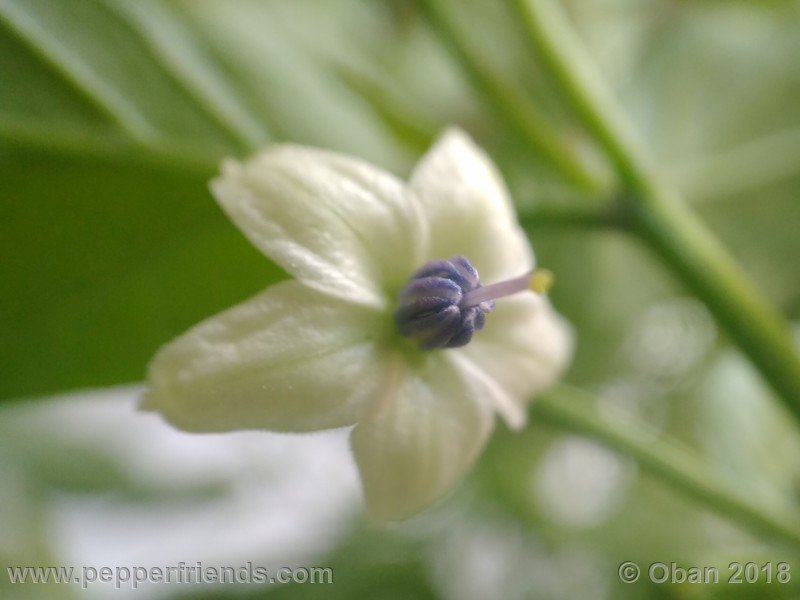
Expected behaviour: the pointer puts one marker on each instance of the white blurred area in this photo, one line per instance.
(580, 483)
(670, 339)
(149, 495)
(663, 352)
(492, 557)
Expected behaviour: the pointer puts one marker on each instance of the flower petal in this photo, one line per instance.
(524, 347)
(429, 426)
(334, 222)
(288, 359)
(468, 209)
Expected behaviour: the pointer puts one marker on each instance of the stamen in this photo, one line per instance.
(444, 303)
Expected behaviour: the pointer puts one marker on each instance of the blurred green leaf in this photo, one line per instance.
(407, 124)
(115, 61)
(107, 262)
(110, 250)
(113, 116)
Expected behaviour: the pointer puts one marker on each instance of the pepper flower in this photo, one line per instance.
(386, 326)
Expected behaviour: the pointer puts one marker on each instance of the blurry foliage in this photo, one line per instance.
(114, 114)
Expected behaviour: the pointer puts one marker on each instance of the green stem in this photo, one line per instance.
(660, 217)
(30, 136)
(76, 72)
(404, 120)
(678, 467)
(162, 31)
(554, 41)
(512, 106)
(677, 236)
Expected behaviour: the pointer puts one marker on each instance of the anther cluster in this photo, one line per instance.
(432, 308)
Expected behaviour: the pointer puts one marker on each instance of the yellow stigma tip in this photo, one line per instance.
(542, 280)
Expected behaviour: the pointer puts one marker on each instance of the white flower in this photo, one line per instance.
(323, 350)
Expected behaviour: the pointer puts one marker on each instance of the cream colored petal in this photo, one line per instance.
(524, 347)
(429, 426)
(512, 411)
(334, 222)
(469, 210)
(289, 359)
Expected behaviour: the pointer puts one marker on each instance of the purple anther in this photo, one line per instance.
(432, 308)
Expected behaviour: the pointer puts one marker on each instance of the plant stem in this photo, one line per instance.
(30, 136)
(512, 106)
(677, 236)
(658, 215)
(84, 80)
(679, 467)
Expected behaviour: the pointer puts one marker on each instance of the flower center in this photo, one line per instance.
(444, 303)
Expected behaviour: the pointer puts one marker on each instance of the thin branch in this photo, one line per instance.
(31, 136)
(77, 73)
(678, 467)
(171, 44)
(511, 105)
(658, 215)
